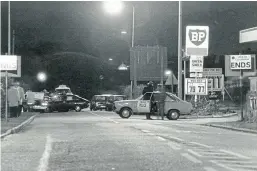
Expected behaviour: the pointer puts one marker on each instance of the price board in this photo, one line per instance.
(198, 86)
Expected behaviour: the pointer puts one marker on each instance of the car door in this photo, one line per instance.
(70, 101)
(172, 102)
(62, 104)
(143, 104)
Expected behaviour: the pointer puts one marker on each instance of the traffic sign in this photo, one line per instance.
(8, 62)
(196, 86)
(236, 72)
(196, 63)
(212, 72)
(197, 40)
(240, 62)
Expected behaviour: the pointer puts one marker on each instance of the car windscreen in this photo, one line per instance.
(118, 98)
(100, 98)
(174, 96)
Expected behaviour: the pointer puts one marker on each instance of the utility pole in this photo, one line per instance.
(1, 54)
(13, 42)
(179, 50)
(135, 58)
(9, 53)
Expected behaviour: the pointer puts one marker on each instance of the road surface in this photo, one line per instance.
(102, 141)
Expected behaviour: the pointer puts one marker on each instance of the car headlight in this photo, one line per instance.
(44, 104)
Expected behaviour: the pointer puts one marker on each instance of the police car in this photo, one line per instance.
(173, 106)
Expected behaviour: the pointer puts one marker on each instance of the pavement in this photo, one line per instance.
(14, 122)
(92, 141)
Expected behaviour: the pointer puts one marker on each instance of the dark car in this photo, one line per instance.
(99, 102)
(64, 103)
(112, 99)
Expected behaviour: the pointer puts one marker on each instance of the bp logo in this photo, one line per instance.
(196, 36)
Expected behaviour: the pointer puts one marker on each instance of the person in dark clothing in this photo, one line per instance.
(147, 89)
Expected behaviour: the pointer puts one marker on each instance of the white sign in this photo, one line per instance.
(196, 86)
(197, 40)
(196, 74)
(8, 62)
(240, 62)
(212, 71)
(196, 63)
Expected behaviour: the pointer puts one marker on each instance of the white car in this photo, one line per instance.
(173, 106)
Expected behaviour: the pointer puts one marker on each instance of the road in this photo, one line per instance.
(102, 141)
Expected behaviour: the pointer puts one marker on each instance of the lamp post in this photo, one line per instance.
(179, 50)
(115, 7)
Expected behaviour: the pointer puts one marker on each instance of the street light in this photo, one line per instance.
(123, 67)
(168, 72)
(123, 32)
(110, 59)
(113, 7)
(41, 76)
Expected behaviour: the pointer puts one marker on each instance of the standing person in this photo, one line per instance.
(21, 96)
(147, 89)
(13, 100)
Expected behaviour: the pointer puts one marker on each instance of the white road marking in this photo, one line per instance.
(241, 163)
(203, 145)
(191, 158)
(43, 165)
(222, 165)
(235, 154)
(146, 131)
(194, 153)
(161, 139)
(174, 146)
(104, 117)
(176, 138)
(209, 169)
(149, 133)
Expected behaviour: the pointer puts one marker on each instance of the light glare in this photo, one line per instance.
(41, 77)
(113, 7)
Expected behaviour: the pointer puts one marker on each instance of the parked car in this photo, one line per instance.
(64, 103)
(173, 106)
(112, 99)
(99, 102)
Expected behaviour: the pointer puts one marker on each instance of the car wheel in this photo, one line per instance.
(77, 108)
(25, 109)
(125, 113)
(173, 115)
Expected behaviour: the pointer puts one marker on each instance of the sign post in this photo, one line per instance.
(197, 46)
(241, 62)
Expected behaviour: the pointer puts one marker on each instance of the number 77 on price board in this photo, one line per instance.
(196, 86)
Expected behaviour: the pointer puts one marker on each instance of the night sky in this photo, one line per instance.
(85, 27)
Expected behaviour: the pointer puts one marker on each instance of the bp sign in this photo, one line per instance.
(197, 40)
(240, 62)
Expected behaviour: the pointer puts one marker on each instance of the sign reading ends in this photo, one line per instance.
(240, 62)
(8, 62)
